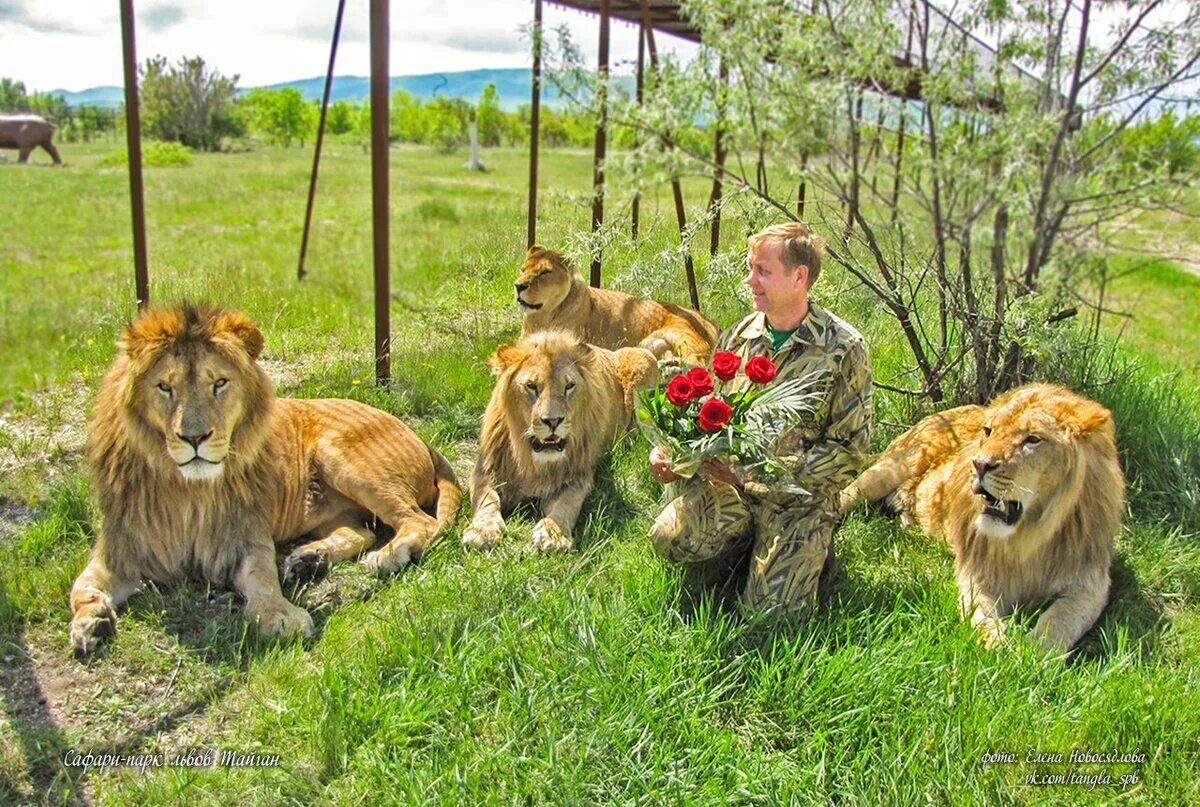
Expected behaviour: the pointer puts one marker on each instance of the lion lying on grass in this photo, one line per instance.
(1028, 493)
(553, 295)
(200, 470)
(557, 406)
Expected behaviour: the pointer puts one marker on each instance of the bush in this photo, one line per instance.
(156, 153)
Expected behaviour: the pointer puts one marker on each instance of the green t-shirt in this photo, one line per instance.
(778, 337)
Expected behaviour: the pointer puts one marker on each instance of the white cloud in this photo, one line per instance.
(75, 44)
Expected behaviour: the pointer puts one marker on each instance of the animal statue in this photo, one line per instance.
(557, 406)
(1028, 493)
(25, 132)
(201, 471)
(553, 295)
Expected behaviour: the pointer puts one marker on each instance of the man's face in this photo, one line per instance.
(776, 289)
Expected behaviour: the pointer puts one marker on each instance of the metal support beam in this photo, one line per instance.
(312, 182)
(534, 116)
(676, 189)
(379, 187)
(641, 69)
(133, 140)
(714, 200)
(601, 142)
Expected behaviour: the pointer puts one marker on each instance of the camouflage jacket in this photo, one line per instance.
(829, 447)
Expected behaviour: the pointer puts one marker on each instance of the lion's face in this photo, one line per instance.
(1028, 452)
(543, 281)
(544, 392)
(193, 381)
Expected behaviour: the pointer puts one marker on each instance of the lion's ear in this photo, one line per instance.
(243, 329)
(149, 331)
(1086, 417)
(506, 356)
(637, 368)
(534, 250)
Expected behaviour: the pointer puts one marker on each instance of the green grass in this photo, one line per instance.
(591, 677)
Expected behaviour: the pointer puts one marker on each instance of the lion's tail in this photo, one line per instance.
(449, 493)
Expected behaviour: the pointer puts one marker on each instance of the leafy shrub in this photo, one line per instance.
(154, 152)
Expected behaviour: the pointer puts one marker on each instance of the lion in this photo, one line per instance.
(557, 406)
(1028, 493)
(200, 470)
(553, 295)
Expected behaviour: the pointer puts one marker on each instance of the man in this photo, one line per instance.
(718, 519)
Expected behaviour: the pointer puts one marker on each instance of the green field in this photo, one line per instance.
(508, 677)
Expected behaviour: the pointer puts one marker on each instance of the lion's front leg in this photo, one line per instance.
(257, 581)
(95, 596)
(1072, 614)
(985, 612)
(553, 532)
(487, 520)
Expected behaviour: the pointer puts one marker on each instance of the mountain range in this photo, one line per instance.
(512, 84)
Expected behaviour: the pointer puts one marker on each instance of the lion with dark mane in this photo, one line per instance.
(557, 406)
(200, 471)
(1028, 492)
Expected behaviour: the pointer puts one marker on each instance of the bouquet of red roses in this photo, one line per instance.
(695, 419)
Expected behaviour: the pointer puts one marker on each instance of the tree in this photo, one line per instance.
(12, 95)
(188, 103)
(976, 216)
(406, 119)
(282, 115)
(339, 118)
(489, 117)
(446, 122)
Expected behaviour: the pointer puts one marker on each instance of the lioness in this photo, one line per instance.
(200, 470)
(1028, 493)
(558, 404)
(553, 295)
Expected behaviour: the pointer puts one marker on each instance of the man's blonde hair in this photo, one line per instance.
(798, 245)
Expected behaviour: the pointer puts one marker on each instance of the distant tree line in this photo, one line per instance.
(83, 122)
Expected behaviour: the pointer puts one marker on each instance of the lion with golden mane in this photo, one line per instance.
(557, 406)
(553, 295)
(1027, 492)
(199, 470)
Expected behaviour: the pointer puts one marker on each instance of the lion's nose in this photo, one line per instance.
(521, 287)
(194, 440)
(552, 422)
(983, 466)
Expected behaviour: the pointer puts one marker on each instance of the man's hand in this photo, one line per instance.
(720, 472)
(660, 465)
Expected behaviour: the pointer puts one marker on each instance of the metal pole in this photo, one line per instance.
(641, 67)
(601, 142)
(379, 185)
(535, 107)
(680, 215)
(714, 201)
(133, 139)
(312, 182)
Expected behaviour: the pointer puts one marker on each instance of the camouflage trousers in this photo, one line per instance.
(786, 537)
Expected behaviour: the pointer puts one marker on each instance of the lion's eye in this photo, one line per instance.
(531, 388)
(570, 386)
(1032, 439)
(987, 431)
(219, 385)
(165, 389)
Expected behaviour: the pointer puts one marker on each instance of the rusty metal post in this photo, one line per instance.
(676, 190)
(133, 139)
(714, 200)
(535, 106)
(601, 141)
(641, 69)
(379, 186)
(312, 182)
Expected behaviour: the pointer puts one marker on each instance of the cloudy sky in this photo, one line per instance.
(76, 44)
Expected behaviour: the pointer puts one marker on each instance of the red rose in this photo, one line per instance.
(702, 383)
(680, 391)
(725, 364)
(760, 370)
(714, 413)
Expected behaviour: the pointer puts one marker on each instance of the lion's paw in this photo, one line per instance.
(991, 633)
(303, 565)
(482, 536)
(90, 626)
(279, 618)
(386, 560)
(548, 536)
